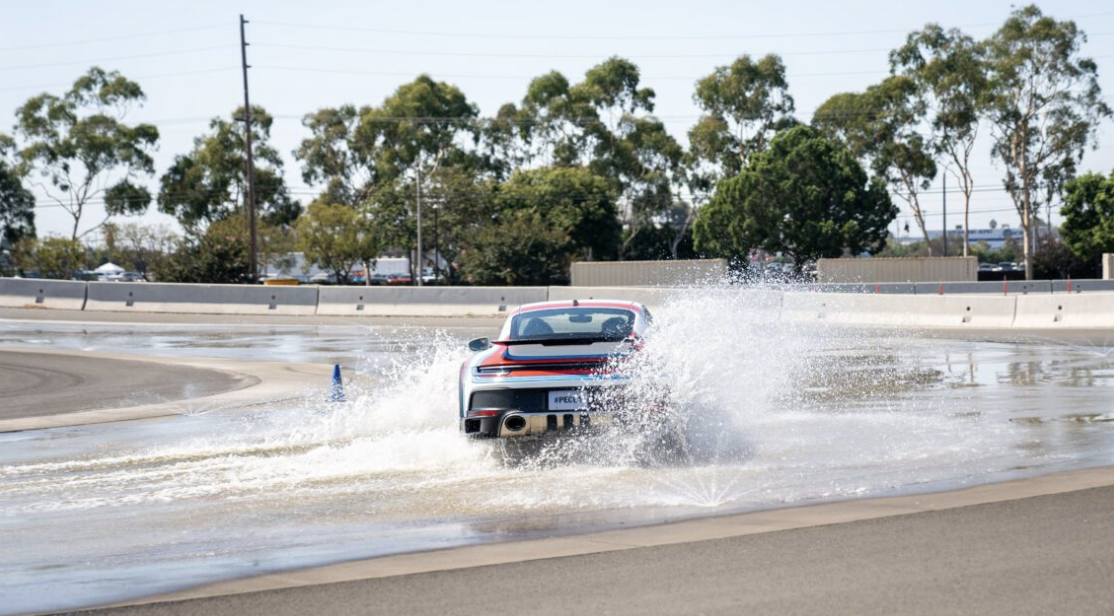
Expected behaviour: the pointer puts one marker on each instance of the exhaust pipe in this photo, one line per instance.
(515, 423)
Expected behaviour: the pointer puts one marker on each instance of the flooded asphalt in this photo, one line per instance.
(774, 415)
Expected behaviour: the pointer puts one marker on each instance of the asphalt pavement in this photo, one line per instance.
(1051, 554)
(999, 550)
(43, 384)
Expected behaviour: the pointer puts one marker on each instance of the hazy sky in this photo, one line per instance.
(308, 55)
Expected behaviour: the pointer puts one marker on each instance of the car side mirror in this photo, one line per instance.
(479, 344)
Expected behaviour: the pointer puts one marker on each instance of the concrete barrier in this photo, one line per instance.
(900, 310)
(881, 288)
(424, 301)
(1088, 310)
(1082, 286)
(1108, 266)
(201, 298)
(40, 293)
(1020, 287)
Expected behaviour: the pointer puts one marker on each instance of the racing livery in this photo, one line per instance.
(555, 368)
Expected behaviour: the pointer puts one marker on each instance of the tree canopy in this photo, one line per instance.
(17, 204)
(79, 143)
(210, 183)
(1044, 107)
(1088, 211)
(806, 197)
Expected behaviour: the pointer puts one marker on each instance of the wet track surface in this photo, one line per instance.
(773, 415)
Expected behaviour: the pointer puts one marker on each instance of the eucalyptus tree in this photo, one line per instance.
(604, 123)
(210, 183)
(743, 105)
(329, 156)
(882, 125)
(1044, 107)
(335, 237)
(79, 142)
(422, 125)
(950, 71)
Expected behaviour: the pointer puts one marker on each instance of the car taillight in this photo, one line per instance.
(483, 413)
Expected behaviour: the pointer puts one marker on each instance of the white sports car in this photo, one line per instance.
(555, 368)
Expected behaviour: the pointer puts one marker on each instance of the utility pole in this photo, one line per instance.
(945, 212)
(418, 270)
(436, 245)
(247, 144)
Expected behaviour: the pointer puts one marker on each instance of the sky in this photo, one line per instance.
(309, 55)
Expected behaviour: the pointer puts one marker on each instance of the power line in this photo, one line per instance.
(303, 69)
(578, 37)
(117, 58)
(135, 78)
(113, 38)
(455, 54)
(612, 37)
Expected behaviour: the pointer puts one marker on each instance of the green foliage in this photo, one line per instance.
(743, 104)
(136, 247)
(52, 257)
(210, 183)
(78, 142)
(1054, 260)
(217, 257)
(653, 243)
(1010, 251)
(399, 136)
(523, 249)
(950, 72)
(1044, 107)
(572, 200)
(17, 207)
(335, 237)
(806, 196)
(1088, 211)
(882, 126)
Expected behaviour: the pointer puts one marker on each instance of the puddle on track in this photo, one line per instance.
(774, 415)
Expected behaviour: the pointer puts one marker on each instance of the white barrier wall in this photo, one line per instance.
(1084, 310)
(425, 301)
(900, 310)
(1038, 310)
(201, 298)
(40, 293)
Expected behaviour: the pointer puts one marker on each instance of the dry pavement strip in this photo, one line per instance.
(1047, 554)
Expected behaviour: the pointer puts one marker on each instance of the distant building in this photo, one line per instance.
(994, 238)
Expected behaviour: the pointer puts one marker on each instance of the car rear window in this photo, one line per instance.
(579, 322)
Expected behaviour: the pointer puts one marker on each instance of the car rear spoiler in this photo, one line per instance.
(562, 341)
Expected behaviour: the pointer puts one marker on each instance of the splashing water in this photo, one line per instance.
(760, 413)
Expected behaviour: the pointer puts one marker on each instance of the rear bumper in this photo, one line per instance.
(513, 424)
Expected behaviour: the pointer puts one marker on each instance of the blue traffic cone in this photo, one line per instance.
(336, 392)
